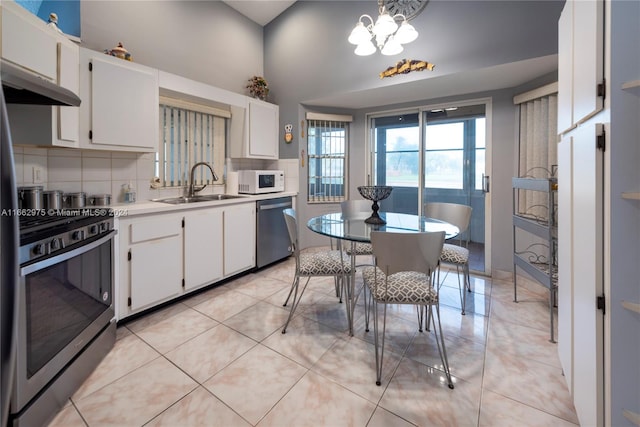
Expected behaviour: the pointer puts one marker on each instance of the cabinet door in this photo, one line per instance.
(588, 266)
(580, 62)
(26, 43)
(239, 238)
(124, 105)
(263, 129)
(202, 247)
(565, 68)
(155, 264)
(68, 118)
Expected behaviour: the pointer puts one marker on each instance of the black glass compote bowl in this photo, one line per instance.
(375, 193)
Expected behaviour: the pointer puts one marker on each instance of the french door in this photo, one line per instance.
(436, 154)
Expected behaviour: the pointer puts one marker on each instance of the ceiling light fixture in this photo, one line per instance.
(388, 37)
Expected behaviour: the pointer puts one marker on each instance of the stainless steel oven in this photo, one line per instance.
(66, 323)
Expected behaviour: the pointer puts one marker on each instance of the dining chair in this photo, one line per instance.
(405, 265)
(456, 255)
(357, 209)
(334, 263)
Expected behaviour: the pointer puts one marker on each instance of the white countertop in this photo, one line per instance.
(144, 207)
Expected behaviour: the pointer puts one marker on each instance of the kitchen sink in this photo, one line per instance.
(196, 199)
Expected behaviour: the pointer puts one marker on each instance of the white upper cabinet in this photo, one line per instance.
(67, 119)
(254, 131)
(581, 62)
(21, 29)
(50, 55)
(119, 109)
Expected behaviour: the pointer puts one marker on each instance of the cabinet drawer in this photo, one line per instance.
(155, 228)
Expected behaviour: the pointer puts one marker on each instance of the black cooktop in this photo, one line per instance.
(44, 223)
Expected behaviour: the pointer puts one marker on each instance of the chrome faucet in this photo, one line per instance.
(193, 189)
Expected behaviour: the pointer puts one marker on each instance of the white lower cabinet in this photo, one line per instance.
(165, 255)
(239, 238)
(202, 247)
(152, 266)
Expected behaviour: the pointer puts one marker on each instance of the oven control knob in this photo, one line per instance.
(104, 227)
(56, 245)
(77, 235)
(39, 249)
(93, 229)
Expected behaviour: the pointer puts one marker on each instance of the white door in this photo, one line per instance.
(436, 155)
(588, 260)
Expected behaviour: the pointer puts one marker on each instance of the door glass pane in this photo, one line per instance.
(396, 160)
(454, 164)
(444, 157)
(402, 157)
(480, 152)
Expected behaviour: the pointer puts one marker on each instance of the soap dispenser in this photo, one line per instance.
(129, 194)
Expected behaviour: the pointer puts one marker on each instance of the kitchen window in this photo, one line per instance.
(190, 133)
(327, 143)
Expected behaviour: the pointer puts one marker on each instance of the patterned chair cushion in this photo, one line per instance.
(360, 249)
(408, 287)
(454, 254)
(324, 263)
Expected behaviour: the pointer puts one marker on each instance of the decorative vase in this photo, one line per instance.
(375, 193)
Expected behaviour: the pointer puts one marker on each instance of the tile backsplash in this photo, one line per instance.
(108, 172)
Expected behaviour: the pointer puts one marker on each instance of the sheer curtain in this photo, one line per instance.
(538, 154)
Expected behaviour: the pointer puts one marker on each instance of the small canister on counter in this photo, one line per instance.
(30, 197)
(52, 199)
(74, 200)
(100, 200)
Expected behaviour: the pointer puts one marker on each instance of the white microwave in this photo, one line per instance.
(260, 181)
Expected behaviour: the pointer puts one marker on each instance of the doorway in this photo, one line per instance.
(435, 154)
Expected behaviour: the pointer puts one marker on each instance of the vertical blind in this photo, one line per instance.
(187, 137)
(327, 137)
(538, 142)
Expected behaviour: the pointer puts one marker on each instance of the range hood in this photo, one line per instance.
(23, 87)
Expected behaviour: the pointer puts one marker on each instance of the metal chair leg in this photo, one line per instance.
(379, 353)
(441, 348)
(420, 311)
(367, 307)
(294, 284)
(461, 289)
(296, 301)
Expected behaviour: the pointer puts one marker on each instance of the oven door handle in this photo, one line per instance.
(32, 268)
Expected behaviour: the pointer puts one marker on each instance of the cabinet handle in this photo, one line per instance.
(276, 206)
(485, 183)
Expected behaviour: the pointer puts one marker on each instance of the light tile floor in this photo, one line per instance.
(218, 358)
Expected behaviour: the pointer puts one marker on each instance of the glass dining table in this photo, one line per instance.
(354, 229)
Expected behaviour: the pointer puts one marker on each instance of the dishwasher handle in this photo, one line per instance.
(275, 206)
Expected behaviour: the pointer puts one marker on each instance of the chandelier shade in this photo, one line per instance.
(360, 34)
(406, 33)
(389, 37)
(385, 25)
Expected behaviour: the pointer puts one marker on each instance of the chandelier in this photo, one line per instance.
(389, 37)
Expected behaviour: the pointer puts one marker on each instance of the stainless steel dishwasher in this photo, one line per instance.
(272, 238)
